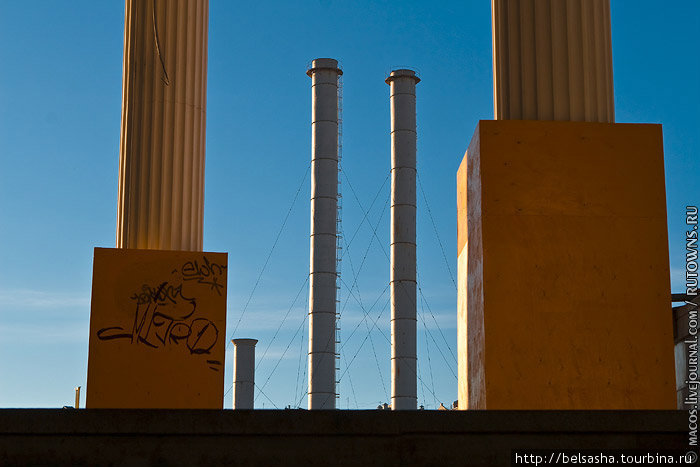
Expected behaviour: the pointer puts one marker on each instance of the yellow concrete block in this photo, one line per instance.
(157, 329)
(563, 268)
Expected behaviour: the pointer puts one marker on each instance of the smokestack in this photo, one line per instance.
(403, 239)
(161, 156)
(324, 74)
(243, 373)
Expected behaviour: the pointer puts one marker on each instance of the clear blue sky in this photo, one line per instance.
(60, 105)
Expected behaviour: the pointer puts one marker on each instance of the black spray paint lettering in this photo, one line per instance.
(162, 318)
(206, 272)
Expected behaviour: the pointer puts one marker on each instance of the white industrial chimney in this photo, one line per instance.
(324, 73)
(243, 373)
(403, 239)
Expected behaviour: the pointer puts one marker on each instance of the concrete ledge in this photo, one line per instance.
(299, 437)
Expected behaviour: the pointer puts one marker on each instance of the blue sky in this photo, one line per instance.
(60, 107)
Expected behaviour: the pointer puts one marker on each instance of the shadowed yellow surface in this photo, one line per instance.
(157, 329)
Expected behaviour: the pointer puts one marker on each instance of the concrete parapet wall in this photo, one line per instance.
(299, 437)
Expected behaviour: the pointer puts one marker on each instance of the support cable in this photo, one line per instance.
(436, 344)
(437, 235)
(267, 260)
(364, 258)
(374, 324)
(427, 350)
(366, 213)
(369, 330)
(424, 385)
(363, 342)
(260, 391)
(366, 316)
(269, 344)
(419, 288)
(352, 386)
(452, 353)
(301, 348)
(283, 354)
(419, 377)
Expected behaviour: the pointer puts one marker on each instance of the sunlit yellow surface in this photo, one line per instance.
(564, 294)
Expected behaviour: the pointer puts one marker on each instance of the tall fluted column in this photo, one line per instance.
(324, 74)
(552, 60)
(164, 93)
(403, 239)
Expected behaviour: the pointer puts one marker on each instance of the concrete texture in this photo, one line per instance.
(552, 60)
(243, 373)
(563, 277)
(161, 159)
(402, 269)
(324, 74)
(319, 438)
